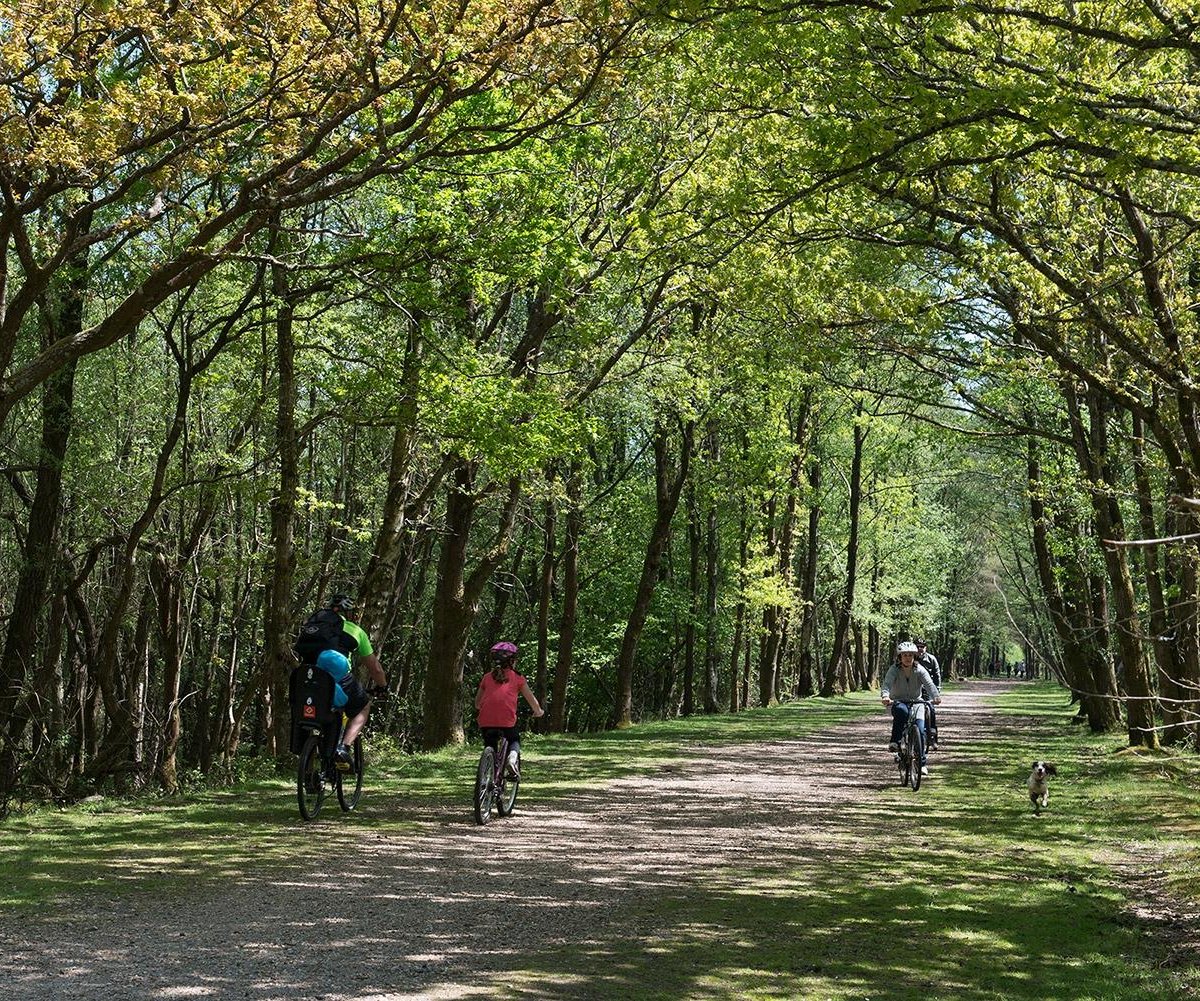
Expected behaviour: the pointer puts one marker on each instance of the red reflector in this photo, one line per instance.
(310, 712)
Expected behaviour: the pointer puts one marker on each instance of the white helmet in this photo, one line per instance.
(906, 647)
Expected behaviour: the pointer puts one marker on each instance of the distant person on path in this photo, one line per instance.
(904, 683)
(496, 702)
(331, 631)
(930, 663)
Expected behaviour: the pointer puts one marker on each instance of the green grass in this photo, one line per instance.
(958, 892)
(955, 893)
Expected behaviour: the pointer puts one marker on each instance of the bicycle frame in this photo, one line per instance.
(318, 770)
(910, 771)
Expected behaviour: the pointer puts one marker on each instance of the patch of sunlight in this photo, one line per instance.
(185, 992)
(980, 938)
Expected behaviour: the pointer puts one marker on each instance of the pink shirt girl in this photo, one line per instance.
(497, 701)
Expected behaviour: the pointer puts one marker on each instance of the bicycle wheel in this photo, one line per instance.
(915, 748)
(485, 790)
(347, 797)
(310, 778)
(508, 793)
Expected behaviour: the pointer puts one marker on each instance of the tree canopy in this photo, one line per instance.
(703, 350)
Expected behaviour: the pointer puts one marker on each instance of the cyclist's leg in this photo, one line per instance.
(357, 708)
(514, 750)
(931, 726)
(920, 718)
(900, 712)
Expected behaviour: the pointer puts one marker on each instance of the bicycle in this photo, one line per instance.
(912, 747)
(494, 787)
(315, 738)
(319, 769)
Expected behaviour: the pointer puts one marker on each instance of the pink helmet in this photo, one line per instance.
(503, 652)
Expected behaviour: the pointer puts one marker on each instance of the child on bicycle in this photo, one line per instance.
(907, 682)
(496, 702)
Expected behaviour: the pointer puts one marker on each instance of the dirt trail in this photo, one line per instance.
(417, 911)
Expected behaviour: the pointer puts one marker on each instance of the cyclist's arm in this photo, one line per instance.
(366, 653)
(479, 696)
(886, 692)
(531, 699)
(377, 676)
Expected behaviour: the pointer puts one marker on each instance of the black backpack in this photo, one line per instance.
(321, 631)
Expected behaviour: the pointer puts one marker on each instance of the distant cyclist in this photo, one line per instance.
(907, 682)
(328, 639)
(930, 663)
(496, 702)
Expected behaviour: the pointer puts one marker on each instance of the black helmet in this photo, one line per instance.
(342, 603)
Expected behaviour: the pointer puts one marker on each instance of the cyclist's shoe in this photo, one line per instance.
(924, 772)
(512, 769)
(343, 759)
(893, 747)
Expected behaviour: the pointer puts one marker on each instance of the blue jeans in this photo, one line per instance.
(900, 714)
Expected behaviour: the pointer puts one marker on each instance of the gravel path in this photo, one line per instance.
(418, 910)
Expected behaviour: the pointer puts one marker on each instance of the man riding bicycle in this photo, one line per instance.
(905, 683)
(930, 663)
(328, 639)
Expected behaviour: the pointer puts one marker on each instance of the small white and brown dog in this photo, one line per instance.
(1039, 784)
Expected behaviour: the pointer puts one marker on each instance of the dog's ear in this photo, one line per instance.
(1052, 770)
(1033, 767)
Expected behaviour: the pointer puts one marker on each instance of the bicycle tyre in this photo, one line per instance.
(484, 789)
(347, 799)
(508, 793)
(915, 750)
(310, 778)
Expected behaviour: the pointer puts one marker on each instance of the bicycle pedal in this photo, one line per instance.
(342, 766)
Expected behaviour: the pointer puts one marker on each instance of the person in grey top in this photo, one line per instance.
(905, 682)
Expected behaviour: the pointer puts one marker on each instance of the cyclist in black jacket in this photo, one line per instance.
(930, 663)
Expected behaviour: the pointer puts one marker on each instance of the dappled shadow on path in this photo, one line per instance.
(758, 867)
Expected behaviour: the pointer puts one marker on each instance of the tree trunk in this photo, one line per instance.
(689, 636)
(456, 603)
(806, 684)
(170, 614)
(830, 684)
(712, 562)
(667, 493)
(1165, 655)
(1096, 460)
(279, 613)
(570, 608)
(545, 595)
(1102, 713)
(62, 316)
(393, 528)
(739, 613)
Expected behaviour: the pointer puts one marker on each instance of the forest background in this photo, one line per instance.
(701, 349)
